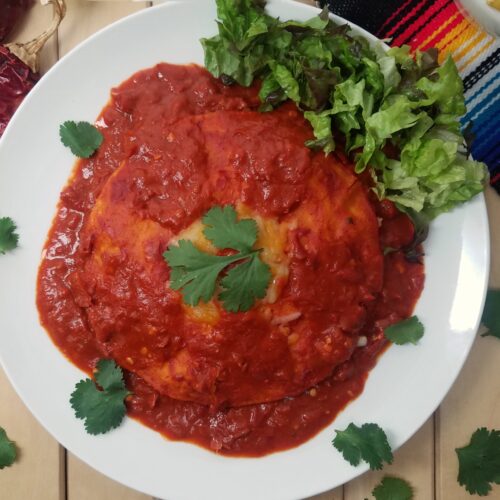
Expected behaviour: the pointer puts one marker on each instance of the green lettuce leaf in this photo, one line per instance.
(446, 91)
(432, 176)
(242, 21)
(398, 112)
(389, 70)
(285, 79)
(402, 57)
(322, 128)
(316, 23)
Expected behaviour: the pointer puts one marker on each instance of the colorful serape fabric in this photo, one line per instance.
(443, 24)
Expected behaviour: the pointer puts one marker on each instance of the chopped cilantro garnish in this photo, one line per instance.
(197, 273)
(103, 407)
(393, 488)
(491, 314)
(479, 462)
(408, 331)
(7, 450)
(8, 236)
(368, 443)
(82, 138)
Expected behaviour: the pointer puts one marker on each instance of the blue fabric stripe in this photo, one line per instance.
(480, 90)
(486, 137)
(482, 145)
(494, 107)
(492, 157)
(485, 121)
(488, 154)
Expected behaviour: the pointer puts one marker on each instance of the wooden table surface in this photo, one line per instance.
(46, 471)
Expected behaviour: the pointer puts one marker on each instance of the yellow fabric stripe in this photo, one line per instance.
(468, 47)
(477, 54)
(449, 37)
(468, 34)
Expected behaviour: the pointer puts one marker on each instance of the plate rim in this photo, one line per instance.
(172, 4)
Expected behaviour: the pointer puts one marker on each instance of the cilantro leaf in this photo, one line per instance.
(8, 236)
(244, 284)
(197, 273)
(82, 138)
(109, 375)
(368, 443)
(8, 451)
(225, 231)
(104, 409)
(408, 331)
(491, 314)
(479, 462)
(392, 488)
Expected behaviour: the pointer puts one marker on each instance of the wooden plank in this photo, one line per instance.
(413, 462)
(85, 483)
(474, 400)
(39, 469)
(32, 25)
(85, 18)
(493, 204)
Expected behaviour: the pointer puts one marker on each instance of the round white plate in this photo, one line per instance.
(402, 391)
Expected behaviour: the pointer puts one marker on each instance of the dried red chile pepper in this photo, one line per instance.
(16, 80)
(11, 11)
(19, 66)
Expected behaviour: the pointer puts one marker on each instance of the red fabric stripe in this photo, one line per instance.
(395, 14)
(495, 179)
(432, 25)
(406, 18)
(439, 36)
(425, 12)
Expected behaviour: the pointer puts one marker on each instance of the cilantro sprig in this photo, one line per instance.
(368, 442)
(491, 314)
(197, 273)
(393, 488)
(8, 451)
(408, 331)
(82, 138)
(479, 462)
(101, 403)
(9, 239)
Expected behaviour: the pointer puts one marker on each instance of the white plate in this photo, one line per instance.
(403, 390)
(484, 14)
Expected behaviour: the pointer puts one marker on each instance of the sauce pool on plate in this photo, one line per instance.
(177, 142)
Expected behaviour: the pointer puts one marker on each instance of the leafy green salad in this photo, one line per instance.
(392, 112)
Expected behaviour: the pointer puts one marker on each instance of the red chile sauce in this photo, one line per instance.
(252, 430)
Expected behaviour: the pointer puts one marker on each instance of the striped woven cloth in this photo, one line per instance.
(443, 24)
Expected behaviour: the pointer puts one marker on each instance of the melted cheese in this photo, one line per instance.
(272, 239)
